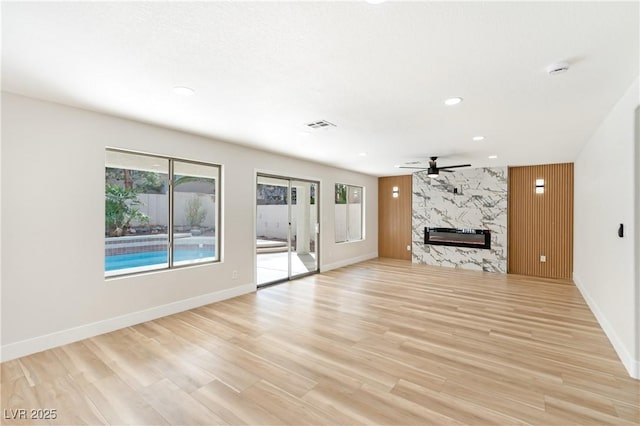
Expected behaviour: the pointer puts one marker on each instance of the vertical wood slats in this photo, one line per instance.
(541, 224)
(394, 217)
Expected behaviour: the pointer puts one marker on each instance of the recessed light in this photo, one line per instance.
(493, 157)
(558, 68)
(452, 101)
(478, 138)
(362, 154)
(183, 91)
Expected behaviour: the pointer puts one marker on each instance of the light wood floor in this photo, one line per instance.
(381, 342)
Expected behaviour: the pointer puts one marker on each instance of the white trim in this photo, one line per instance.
(632, 365)
(347, 262)
(63, 337)
(637, 236)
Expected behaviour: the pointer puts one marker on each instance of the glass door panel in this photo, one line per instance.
(304, 227)
(272, 229)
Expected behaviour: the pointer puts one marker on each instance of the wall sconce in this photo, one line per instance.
(539, 186)
(395, 192)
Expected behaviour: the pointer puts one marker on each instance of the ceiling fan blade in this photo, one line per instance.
(407, 167)
(454, 167)
(445, 170)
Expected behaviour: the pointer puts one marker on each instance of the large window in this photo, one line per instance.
(159, 213)
(349, 212)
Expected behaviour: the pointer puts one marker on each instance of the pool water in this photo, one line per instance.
(149, 258)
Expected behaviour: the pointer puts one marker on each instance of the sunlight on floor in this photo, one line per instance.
(274, 266)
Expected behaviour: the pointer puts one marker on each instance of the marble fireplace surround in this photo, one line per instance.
(479, 202)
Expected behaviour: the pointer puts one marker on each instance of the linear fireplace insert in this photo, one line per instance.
(458, 237)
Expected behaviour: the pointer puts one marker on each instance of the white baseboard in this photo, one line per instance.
(632, 365)
(48, 341)
(347, 262)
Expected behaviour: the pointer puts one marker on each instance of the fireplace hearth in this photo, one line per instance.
(458, 237)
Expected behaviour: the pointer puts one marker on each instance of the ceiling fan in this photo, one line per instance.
(433, 170)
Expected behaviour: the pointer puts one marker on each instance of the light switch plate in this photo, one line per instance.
(543, 258)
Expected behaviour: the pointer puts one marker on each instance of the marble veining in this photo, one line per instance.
(480, 203)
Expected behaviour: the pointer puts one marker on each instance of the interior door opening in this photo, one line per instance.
(287, 228)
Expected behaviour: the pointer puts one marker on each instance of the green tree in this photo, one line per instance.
(121, 208)
(194, 212)
(341, 193)
(142, 181)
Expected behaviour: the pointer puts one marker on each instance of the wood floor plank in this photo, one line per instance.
(17, 394)
(288, 408)
(298, 362)
(231, 407)
(450, 406)
(42, 367)
(73, 406)
(579, 413)
(120, 404)
(81, 363)
(379, 342)
(178, 407)
(394, 409)
(10, 371)
(628, 412)
(227, 372)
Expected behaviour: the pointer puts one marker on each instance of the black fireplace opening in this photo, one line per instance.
(458, 237)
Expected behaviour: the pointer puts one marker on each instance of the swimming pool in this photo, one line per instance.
(150, 258)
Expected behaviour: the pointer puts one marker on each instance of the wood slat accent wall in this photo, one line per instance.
(541, 224)
(394, 217)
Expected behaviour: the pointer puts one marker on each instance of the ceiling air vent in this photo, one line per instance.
(321, 124)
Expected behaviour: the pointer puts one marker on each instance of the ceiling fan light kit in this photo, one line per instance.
(433, 170)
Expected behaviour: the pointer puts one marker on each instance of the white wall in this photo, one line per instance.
(53, 285)
(605, 191)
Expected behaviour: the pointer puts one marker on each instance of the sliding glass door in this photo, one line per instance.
(286, 228)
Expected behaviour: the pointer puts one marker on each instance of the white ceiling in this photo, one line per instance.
(261, 70)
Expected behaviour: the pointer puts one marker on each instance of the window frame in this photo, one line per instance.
(362, 212)
(171, 214)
